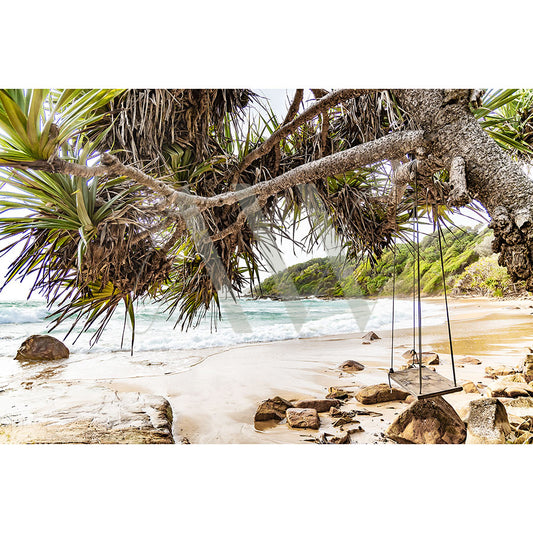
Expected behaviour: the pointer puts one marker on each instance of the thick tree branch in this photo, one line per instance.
(392, 146)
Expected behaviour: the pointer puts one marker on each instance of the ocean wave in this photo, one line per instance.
(22, 315)
(245, 322)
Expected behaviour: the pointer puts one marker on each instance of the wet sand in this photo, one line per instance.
(214, 401)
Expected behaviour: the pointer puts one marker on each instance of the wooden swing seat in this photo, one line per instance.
(433, 384)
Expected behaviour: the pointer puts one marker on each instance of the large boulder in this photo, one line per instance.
(371, 336)
(42, 348)
(303, 418)
(272, 409)
(428, 421)
(321, 405)
(379, 393)
(487, 422)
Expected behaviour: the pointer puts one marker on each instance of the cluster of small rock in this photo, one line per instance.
(487, 420)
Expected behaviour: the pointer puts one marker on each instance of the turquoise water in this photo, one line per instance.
(246, 321)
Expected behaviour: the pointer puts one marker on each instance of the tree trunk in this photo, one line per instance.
(492, 176)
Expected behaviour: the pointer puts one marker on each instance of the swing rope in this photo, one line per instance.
(418, 287)
(417, 299)
(439, 232)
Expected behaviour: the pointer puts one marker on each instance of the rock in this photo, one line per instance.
(470, 388)
(344, 420)
(468, 361)
(487, 422)
(272, 409)
(320, 405)
(502, 370)
(341, 439)
(514, 378)
(379, 393)
(523, 437)
(371, 336)
(351, 366)
(409, 354)
(366, 342)
(428, 421)
(81, 414)
(527, 368)
(338, 394)
(303, 418)
(42, 348)
(506, 389)
(428, 358)
(520, 403)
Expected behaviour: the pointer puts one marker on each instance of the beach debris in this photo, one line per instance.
(185, 440)
(339, 394)
(371, 336)
(302, 418)
(321, 405)
(470, 388)
(272, 409)
(502, 370)
(428, 358)
(428, 421)
(379, 394)
(333, 439)
(351, 366)
(42, 348)
(487, 422)
(527, 367)
(507, 389)
(344, 420)
(468, 361)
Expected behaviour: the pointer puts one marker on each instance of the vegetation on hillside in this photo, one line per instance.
(469, 266)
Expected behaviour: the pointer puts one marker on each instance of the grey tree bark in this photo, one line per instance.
(484, 171)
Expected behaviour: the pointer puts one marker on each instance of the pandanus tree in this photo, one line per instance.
(111, 196)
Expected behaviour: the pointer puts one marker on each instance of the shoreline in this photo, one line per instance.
(214, 400)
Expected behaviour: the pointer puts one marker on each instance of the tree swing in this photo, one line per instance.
(418, 380)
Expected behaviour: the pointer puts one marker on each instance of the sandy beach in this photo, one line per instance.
(214, 401)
